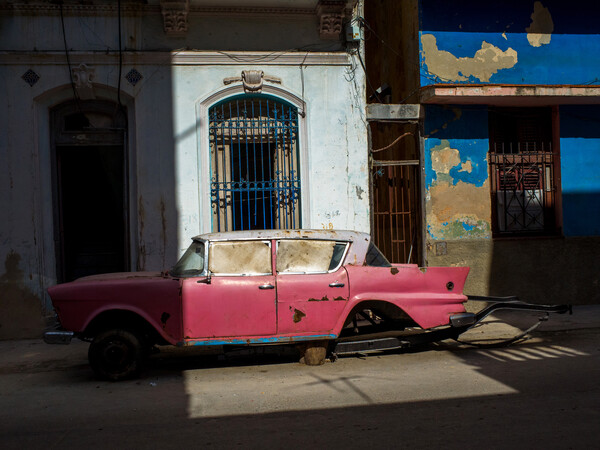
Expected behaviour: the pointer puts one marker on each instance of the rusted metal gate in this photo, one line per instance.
(395, 207)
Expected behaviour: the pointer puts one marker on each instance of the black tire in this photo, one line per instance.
(116, 355)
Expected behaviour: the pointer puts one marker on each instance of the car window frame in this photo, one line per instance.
(220, 274)
(340, 264)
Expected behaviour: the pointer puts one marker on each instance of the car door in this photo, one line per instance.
(237, 298)
(312, 285)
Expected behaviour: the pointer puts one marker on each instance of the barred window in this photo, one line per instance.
(522, 162)
(254, 164)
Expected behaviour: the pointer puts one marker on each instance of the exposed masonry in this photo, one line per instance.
(540, 31)
(457, 205)
(486, 62)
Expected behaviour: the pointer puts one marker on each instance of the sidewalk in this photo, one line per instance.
(33, 354)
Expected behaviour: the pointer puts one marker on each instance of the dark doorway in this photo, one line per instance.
(90, 190)
(91, 193)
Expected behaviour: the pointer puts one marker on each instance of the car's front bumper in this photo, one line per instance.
(58, 337)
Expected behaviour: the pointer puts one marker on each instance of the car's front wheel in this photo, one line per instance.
(116, 354)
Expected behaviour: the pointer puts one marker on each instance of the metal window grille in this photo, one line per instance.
(255, 179)
(523, 187)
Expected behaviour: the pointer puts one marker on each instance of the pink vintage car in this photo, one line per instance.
(314, 288)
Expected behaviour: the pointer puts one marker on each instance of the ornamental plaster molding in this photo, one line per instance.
(83, 75)
(175, 14)
(252, 80)
(331, 15)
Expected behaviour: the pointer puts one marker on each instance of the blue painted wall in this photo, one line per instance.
(580, 169)
(460, 28)
(457, 189)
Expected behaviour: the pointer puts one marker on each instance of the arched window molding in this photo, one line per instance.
(204, 154)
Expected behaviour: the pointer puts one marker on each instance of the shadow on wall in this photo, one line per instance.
(20, 308)
(561, 269)
(540, 269)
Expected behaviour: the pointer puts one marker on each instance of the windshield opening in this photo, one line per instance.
(191, 264)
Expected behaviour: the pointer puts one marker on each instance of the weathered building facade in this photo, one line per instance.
(128, 127)
(507, 100)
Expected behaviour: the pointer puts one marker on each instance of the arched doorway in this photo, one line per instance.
(255, 172)
(90, 188)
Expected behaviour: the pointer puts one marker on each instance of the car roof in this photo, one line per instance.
(335, 235)
(354, 256)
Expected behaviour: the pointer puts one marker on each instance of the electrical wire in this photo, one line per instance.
(120, 58)
(75, 94)
(367, 77)
(408, 133)
(435, 78)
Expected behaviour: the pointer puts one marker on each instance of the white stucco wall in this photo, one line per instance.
(168, 185)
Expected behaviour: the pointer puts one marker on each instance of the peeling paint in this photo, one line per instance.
(298, 315)
(487, 61)
(324, 299)
(394, 270)
(359, 192)
(163, 319)
(20, 309)
(458, 196)
(540, 31)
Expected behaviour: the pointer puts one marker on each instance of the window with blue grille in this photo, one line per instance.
(255, 173)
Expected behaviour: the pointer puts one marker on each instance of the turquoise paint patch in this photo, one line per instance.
(267, 340)
(430, 174)
(468, 227)
(459, 229)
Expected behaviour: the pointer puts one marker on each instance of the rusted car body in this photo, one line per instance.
(254, 288)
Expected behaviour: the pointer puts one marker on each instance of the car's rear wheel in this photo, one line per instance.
(116, 354)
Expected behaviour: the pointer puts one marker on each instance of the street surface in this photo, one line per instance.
(542, 393)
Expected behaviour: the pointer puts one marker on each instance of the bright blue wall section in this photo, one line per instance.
(465, 129)
(569, 58)
(460, 134)
(580, 169)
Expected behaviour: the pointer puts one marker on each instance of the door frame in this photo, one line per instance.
(113, 136)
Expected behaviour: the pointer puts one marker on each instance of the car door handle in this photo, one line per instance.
(266, 286)
(336, 284)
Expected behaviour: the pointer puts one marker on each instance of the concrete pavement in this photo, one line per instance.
(34, 355)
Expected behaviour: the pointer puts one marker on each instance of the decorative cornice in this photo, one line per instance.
(175, 13)
(133, 9)
(71, 9)
(183, 58)
(331, 16)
